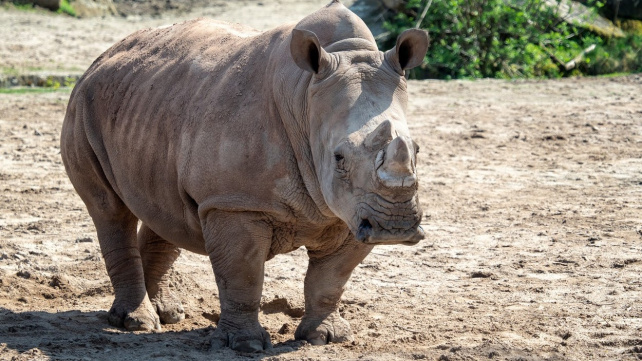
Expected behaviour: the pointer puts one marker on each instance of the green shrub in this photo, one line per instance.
(66, 8)
(630, 26)
(507, 39)
(19, 5)
(615, 56)
(51, 83)
(26, 5)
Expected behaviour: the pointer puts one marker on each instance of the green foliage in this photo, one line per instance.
(51, 82)
(615, 56)
(630, 26)
(66, 8)
(25, 5)
(69, 82)
(501, 39)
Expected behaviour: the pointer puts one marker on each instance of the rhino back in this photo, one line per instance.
(182, 119)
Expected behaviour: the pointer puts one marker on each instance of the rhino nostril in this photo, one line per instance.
(365, 230)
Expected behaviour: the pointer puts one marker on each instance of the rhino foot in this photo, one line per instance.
(169, 308)
(251, 340)
(320, 331)
(141, 318)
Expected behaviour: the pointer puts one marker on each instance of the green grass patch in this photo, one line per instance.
(33, 90)
(10, 71)
(66, 8)
(19, 6)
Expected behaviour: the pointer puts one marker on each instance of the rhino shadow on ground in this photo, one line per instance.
(36, 335)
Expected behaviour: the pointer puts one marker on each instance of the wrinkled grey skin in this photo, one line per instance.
(242, 145)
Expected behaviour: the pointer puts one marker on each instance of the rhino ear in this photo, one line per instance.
(307, 52)
(410, 50)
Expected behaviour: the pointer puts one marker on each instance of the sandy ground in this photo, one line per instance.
(38, 41)
(533, 199)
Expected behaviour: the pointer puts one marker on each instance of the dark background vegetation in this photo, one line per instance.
(469, 38)
(516, 39)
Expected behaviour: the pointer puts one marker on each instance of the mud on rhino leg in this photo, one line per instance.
(324, 284)
(158, 255)
(238, 245)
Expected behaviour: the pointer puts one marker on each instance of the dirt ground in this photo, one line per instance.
(533, 198)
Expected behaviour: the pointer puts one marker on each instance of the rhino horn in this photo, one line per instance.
(397, 169)
(380, 136)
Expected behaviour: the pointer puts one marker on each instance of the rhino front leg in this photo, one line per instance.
(324, 284)
(238, 245)
(158, 255)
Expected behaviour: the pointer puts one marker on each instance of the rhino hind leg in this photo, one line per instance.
(158, 255)
(132, 308)
(116, 229)
(324, 284)
(115, 223)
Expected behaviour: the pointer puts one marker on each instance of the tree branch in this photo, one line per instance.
(423, 14)
(573, 63)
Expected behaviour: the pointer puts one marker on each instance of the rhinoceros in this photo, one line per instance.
(241, 145)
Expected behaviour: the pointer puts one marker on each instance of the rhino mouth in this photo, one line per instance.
(383, 222)
(367, 234)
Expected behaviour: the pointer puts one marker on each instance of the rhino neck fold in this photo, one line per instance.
(290, 94)
(290, 86)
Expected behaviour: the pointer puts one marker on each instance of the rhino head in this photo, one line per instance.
(362, 151)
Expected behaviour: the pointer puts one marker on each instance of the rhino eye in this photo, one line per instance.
(340, 163)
